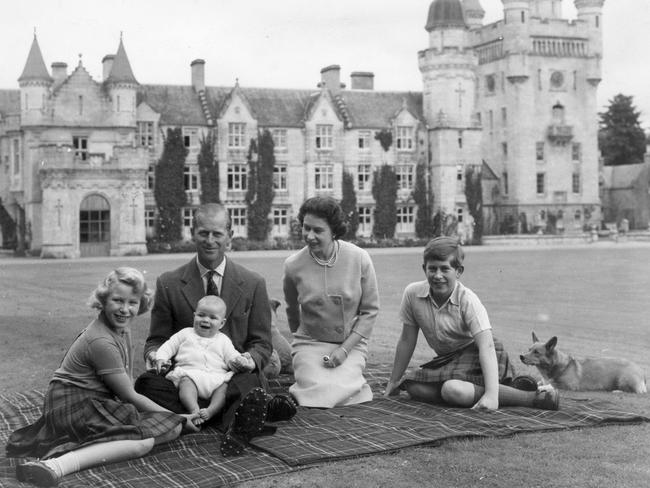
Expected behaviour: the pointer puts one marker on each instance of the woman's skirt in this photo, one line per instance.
(463, 365)
(74, 417)
(319, 386)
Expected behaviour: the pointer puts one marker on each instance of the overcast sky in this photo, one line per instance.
(281, 43)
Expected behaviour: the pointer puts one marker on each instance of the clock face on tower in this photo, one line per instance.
(557, 79)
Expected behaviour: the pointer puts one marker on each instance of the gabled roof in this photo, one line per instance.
(278, 107)
(121, 71)
(35, 69)
(378, 109)
(9, 102)
(487, 173)
(272, 107)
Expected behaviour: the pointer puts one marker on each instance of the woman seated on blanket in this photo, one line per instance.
(91, 413)
(332, 303)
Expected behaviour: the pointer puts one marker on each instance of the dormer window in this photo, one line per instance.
(324, 136)
(404, 138)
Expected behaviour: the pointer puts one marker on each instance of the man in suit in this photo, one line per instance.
(248, 324)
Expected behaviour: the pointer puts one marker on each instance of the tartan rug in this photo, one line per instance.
(313, 436)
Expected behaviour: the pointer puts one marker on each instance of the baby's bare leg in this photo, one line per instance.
(217, 402)
(188, 394)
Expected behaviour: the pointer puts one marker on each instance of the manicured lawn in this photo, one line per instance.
(594, 298)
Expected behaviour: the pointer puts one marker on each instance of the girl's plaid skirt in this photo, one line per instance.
(463, 365)
(74, 417)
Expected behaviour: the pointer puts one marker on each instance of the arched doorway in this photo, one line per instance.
(94, 226)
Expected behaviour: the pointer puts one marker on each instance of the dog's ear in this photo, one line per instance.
(274, 303)
(552, 342)
(535, 339)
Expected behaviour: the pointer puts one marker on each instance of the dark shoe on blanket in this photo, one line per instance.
(525, 383)
(280, 407)
(248, 423)
(547, 399)
(36, 473)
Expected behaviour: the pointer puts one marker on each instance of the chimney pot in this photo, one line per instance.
(362, 80)
(59, 72)
(107, 65)
(198, 74)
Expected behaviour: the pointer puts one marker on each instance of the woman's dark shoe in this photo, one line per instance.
(525, 383)
(248, 423)
(36, 473)
(280, 408)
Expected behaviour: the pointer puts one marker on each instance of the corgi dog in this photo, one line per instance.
(568, 372)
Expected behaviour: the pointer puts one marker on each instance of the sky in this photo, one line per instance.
(281, 43)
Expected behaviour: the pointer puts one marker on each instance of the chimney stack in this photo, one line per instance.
(59, 73)
(331, 78)
(198, 74)
(107, 65)
(362, 80)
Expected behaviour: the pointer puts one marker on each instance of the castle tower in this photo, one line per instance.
(122, 87)
(448, 68)
(591, 12)
(474, 13)
(35, 83)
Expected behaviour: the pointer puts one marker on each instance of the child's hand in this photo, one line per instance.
(487, 402)
(392, 389)
(242, 363)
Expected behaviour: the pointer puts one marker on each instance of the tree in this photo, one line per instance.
(260, 186)
(620, 138)
(208, 170)
(474, 198)
(384, 191)
(423, 217)
(349, 206)
(169, 189)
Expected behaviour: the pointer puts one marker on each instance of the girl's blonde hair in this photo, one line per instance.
(127, 276)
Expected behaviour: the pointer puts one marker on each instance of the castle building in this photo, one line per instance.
(515, 99)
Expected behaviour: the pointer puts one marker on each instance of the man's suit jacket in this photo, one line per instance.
(248, 318)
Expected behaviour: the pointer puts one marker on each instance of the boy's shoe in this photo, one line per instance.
(525, 383)
(248, 423)
(547, 399)
(36, 473)
(280, 407)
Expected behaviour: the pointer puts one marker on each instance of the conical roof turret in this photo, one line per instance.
(121, 71)
(35, 69)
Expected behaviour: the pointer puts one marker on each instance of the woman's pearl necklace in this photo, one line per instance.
(332, 260)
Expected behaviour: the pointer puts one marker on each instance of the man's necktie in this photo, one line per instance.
(212, 286)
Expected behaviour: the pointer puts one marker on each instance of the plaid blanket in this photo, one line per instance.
(311, 437)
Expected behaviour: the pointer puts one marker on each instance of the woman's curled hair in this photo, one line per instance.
(328, 209)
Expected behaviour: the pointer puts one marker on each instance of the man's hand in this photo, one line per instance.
(162, 366)
(242, 364)
(150, 361)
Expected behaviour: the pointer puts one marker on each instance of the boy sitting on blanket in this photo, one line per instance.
(471, 368)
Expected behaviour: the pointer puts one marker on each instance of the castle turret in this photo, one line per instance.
(35, 84)
(448, 66)
(548, 9)
(591, 12)
(516, 11)
(474, 13)
(122, 86)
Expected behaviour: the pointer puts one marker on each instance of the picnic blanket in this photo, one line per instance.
(313, 436)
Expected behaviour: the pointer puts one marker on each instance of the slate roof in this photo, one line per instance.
(377, 109)
(121, 71)
(176, 104)
(35, 69)
(9, 102)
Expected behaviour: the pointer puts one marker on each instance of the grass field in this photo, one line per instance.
(594, 298)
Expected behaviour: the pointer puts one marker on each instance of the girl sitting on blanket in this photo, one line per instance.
(471, 368)
(91, 413)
